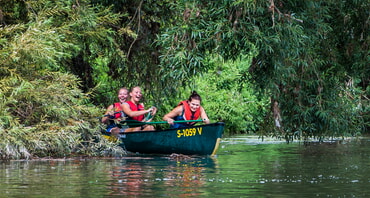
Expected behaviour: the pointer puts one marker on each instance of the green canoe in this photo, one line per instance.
(195, 140)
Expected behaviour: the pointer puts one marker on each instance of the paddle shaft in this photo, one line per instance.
(177, 121)
(109, 115)
(138, 123)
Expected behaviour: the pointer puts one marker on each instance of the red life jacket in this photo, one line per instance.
(135, 107)
(118, 112)
(187, 113)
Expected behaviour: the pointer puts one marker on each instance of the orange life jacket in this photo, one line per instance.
(118, 112)
(135, 107)
(187, 113)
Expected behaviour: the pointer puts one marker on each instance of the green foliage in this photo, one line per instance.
(137, 62)
(300, 63)
(69, 36)
(225, 101)
(198, 30)
(48, 116)
(43, 111)
(307, 77)
(223, 98)
(309, 59)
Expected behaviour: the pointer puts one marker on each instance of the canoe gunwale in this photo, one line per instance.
(201, 125)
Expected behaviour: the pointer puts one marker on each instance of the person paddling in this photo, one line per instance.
(135, 110)
(190, 109)
(115, 113)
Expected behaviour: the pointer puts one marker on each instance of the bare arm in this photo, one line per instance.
(130, 113)
(175, 112)
(107, 114)
(204, 116)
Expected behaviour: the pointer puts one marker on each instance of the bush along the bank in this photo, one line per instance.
(48, 117)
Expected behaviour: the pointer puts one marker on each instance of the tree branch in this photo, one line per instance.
(138, 27)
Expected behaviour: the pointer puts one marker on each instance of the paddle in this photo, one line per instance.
(135, 123)
(106, 115)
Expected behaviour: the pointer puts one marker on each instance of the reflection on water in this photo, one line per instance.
(130, 179)
(139, 176)
(244, 167)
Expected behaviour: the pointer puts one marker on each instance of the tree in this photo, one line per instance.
(43, 110)
(299, 62)
(312, 68)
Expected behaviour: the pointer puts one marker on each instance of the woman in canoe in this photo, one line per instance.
(115, 114)
(190, 109)
(135, 110)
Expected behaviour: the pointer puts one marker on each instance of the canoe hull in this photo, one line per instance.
(195, 140)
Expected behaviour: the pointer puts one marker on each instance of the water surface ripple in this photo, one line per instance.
(244, 167)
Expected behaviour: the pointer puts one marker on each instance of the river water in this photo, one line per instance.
(243, 167)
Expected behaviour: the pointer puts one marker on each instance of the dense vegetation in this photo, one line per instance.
(284, 68)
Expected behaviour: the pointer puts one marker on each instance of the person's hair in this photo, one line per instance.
(132, 89)
(194, 95)
(121, 89)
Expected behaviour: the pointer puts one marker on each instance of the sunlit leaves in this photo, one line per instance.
(311, 57)
(43, 110)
